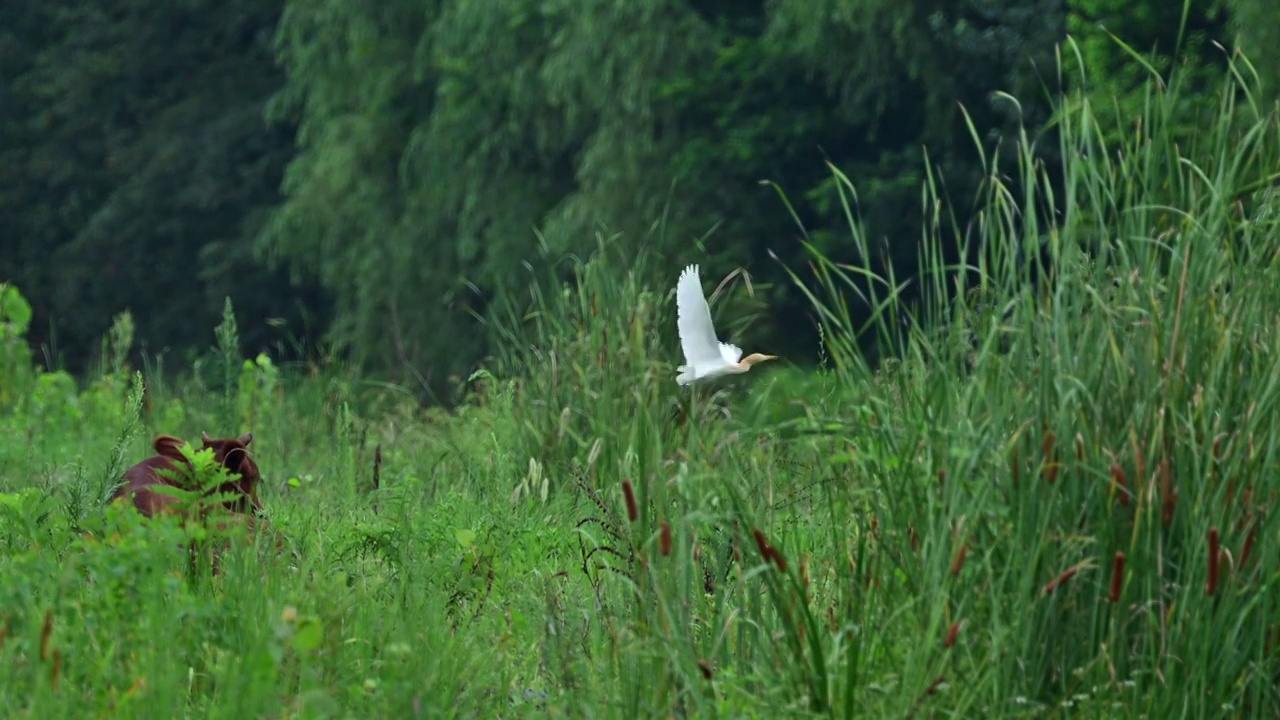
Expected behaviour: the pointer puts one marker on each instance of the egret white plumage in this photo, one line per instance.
(705, 357)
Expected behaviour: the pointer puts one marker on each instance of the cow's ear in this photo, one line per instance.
(245, 439)
(167, 446)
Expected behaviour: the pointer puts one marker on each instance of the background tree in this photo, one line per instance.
(430, 156)
(145, 165)
(377, 174)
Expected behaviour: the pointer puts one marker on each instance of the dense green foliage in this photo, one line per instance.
(139, 168)
(371, 178)
(1057, 500)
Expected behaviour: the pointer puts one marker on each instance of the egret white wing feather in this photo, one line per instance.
(731, 353)
(693, 319)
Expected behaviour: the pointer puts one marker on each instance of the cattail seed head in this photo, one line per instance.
(957, 562)
(664, 539)
(761, 544)
(629, 494)
(56, 671)
(1168, 496)
(1212, 584)
(1117, 578)
(1245, 552)
(1140, 467)
(46, 630)
(1050, 458)
(1117, 480)
(705, 668)
(1062, 578)
(952, 632)
(778, 560)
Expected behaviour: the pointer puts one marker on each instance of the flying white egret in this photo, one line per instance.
(705, 356)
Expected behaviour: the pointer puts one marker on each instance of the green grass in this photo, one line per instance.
(937, 538)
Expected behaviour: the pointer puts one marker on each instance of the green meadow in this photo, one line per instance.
(1054, 498)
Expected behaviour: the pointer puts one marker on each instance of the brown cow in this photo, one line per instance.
(240, 515)
(231, 453)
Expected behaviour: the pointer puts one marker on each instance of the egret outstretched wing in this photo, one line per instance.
(693, 319)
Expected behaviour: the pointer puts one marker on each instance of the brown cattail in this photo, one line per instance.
(1217, 446)
(57, 668)
(957, 562)
(705, 668)
(1212, 584)
(778, 560)
(804, 574)
(952, 632)
(46, 630)
(1245, 552)
(914, 537)
(1117, 481)
(4, 633)
(664, 538)
(942, 477)
(767, 551)
(1013, 463)
(1140, 467)
(1061, 579)
(1050, 459)
(1079, 447)
(761, 544)
(629, 493)
(1168, 497)
(1117, 577)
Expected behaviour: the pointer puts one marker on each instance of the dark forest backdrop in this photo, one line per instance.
(360, 175)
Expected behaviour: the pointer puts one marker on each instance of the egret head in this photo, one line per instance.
(754, 358)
